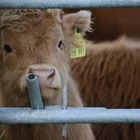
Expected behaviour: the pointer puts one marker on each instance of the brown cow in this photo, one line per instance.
(38, 41)
(109, 76)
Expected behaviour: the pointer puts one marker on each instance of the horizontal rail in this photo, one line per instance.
(67, 3)
(70, 115)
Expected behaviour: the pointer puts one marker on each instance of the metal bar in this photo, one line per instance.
(67, 3)
(65, 103)
(70, 115)
(65, 96)
(34, 91)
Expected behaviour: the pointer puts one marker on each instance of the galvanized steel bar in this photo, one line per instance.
(65, 96)
(65, 103)
(67, 3)
(34, 91)
(70, 115)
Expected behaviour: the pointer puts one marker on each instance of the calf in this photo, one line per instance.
(109, 76)
(38, 41)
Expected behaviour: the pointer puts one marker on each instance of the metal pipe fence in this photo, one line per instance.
(64, 114)
(34, 91)
(68, 3)
(55, 114)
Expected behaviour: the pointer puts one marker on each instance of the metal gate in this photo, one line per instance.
(64, 114)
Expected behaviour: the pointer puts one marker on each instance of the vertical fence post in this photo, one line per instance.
(34, 91)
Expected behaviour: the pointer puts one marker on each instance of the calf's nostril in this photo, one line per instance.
(30, 71)
(51, 74)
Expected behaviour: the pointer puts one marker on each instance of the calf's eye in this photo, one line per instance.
(8, 48)
(61, 44)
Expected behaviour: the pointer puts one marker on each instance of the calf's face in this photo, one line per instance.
(36, 41)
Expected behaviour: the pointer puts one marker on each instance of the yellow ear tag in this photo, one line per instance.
(79, 46)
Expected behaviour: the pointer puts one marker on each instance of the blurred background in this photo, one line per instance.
(110, 23)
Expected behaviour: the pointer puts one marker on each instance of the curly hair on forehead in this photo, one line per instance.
(21, 19)
(23, 11)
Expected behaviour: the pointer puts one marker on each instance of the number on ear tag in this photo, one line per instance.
(79, 46)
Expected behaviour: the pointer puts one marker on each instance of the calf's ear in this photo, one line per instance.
(80, 20)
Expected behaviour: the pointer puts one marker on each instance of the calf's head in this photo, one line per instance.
(36, 41)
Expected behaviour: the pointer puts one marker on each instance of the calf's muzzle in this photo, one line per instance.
(48, 76)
